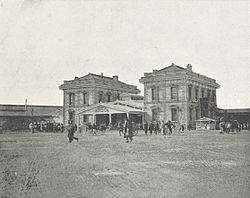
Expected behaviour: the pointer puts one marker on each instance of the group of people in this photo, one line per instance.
(230, 126)
(45, 127)
(157, 127)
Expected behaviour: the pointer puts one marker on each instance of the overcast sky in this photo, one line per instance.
(43, 42)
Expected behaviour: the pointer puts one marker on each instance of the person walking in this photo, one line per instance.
(71, 131)
(169, 127)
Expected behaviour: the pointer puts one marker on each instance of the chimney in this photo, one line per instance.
(154, 71)
(189, 67)
(115, 78)
(102, 75)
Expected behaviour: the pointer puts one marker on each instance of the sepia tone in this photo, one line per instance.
(114, 98)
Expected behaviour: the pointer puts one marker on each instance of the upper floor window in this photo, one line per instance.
(108, 97)
(214, 96)
(155, 93)
(100, 99)
(196, 93)
(202, 93)
(118, 96)
(84, 97)
(190, 92)
(208, 93)
(71, 98)
(174, 95)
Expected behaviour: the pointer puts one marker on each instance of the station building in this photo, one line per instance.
(89, 99)
(178, 94)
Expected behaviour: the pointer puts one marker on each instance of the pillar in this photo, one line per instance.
(110, 116)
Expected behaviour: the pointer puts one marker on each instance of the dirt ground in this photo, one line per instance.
(191, 164)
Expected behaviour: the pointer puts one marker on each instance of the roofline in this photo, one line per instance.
(234, 109)
(14, 105)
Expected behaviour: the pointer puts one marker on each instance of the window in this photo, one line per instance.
(174, 114)
(84, 98)
(214, 96)
(208, 93)
(154, 114)
(196, 93)
(155, 93)
(196, 113)
(100, 97)
(108, 97)
(71, 98)
(85, 118)
(190, 92)
(174, 93)
(71, 117)
(202, 93)
(190, 114)
(118, 96)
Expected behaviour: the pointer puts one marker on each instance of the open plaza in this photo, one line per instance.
(190, 164)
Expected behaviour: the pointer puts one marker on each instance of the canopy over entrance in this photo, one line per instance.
(112, 112)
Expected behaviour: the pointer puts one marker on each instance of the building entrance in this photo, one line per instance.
(102, 119)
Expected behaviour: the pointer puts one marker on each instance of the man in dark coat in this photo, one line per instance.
(71, 131)
(129, 131)
(146, 128)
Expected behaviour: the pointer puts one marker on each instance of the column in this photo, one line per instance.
(110, 116)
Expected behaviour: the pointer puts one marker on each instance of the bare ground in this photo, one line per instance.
(193, 164)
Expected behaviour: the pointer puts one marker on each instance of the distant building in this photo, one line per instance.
(88, 90)
(242, 115)
(18, 117)
(179, 94)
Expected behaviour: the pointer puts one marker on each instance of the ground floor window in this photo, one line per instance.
(174, 114)
(85, 118)
(196, 113)
(190, 114)
(154, 114)
(71, 117)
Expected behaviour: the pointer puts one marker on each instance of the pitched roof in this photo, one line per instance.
(99, 80)
(121, 107)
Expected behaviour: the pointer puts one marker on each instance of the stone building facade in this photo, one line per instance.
(179, 94)
(91, 89)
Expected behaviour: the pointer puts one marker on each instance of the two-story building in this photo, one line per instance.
(179, 94)
(80, 93)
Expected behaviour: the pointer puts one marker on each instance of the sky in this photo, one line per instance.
(44, 42)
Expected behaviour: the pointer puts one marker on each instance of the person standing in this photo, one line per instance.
(120, 128)
(130, 131)
(169, 127)
(151, 128)
(31, 127)
(146, 128)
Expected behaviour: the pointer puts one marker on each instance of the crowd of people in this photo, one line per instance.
(46, 127)
(127, 128)
(232, 126)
